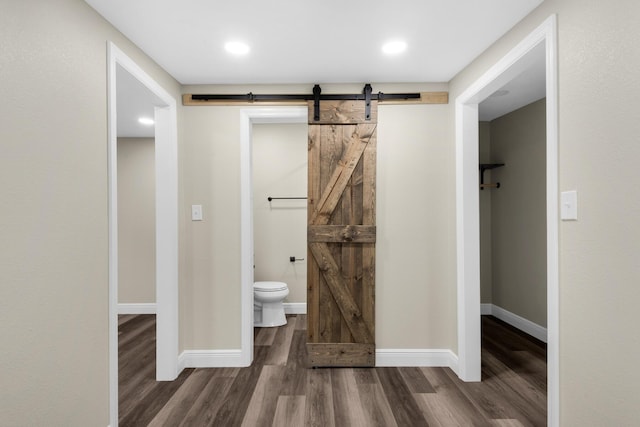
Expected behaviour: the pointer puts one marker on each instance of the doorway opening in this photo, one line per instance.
(467, 197)
(166, 221)
(280, 208)
(249, 117)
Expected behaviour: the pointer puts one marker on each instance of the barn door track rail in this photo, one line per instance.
(367, 95)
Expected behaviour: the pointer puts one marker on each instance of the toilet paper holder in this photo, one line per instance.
(294, 259)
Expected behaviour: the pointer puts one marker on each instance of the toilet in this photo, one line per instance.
(268, 310)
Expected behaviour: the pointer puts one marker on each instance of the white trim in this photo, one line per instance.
(486, 309)
(137, 308)
(249, 116)
(553, 239)
(210, 359)
(467, 224)
(386, 357)
(295, 307)
(518, 322)
(112, 156)
(166, 170)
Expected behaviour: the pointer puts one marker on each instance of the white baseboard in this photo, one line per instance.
(485, 309)
(210, 359)
(384, 358)
(416, 357)
(139, 308)
(295, 307)
(518, 322)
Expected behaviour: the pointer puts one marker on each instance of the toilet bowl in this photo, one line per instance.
(268, 310)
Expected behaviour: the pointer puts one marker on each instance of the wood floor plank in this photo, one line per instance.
(234, 407)
(365, 376)
(346, 400)
(151, 403)
(124, 318)
(506, 423)
(301, 322)
(264, 399)
(405, 409)
(492, 405)
(205, 408)
(279, 350)
(133, 392)
(529, 402)
(130, 332)
(289, 411)
(181, 402)
(375, 405)
(440, 411)
(415, 380)
(294, 382)
(134, 358)
(265, 336)
(450, 397)
(319, 405)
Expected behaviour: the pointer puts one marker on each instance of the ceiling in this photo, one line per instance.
(133, 101)
(328, 41)
(294, 42)
(527, 87)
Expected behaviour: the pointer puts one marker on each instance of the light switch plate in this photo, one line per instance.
(196, 212)
(569, 206)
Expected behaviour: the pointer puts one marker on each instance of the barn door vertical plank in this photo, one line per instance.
(313, 273)
(369, 218)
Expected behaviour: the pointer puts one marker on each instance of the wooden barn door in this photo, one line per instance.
(341, 234)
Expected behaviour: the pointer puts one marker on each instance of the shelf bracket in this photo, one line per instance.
(488, 166)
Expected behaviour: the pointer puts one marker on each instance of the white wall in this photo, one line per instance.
(136, 221)
(54, 228)
(280, 226)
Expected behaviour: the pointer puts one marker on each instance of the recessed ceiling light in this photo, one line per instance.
(146, 121)
(394, 47)
(237, 48)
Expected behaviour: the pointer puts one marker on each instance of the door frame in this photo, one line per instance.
(166, 210)
(249, 116)
(467, 207)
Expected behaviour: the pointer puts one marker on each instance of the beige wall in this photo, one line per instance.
(53, 163)
(415, 295)
(280, 226)
(136, 221)
(210, 249)
(415, 248)
(518, 213)
(598, 152)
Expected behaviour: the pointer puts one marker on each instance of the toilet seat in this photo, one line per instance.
(269, 286)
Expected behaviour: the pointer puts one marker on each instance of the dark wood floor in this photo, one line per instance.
(279, 390)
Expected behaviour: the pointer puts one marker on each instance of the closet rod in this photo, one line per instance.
(286, 198)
